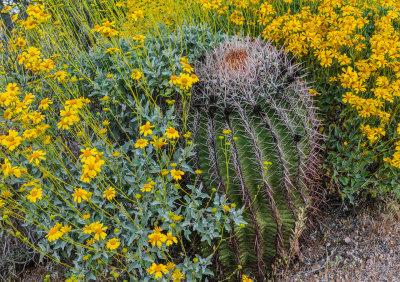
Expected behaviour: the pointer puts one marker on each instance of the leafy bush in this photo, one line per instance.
(102, 204)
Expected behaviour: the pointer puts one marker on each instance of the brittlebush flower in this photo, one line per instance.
(148, 186)
(86, 153)
(80, 194)
(158, 269)
(177, 174)
(44, 104)
(66, 228)
(96, 228)
(146, 129)
(36, 156)
(177, 275)
(171, 133)
(157, 239)
(54, 233)
(158, 142)
(246, 279)
(113, 243)
(170, 265)
(142, 143)
(136, 75)
(35, 194)
(110, 194)
(12, 140)
(170, 239)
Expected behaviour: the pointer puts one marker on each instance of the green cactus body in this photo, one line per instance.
(251, 88)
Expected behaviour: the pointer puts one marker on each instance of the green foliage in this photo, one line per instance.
(180, 207)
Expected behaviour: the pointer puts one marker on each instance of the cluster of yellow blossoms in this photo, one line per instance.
(31, 121)
(159, 269)
(36, 193)
(96, 228)
(185, 80)
(373, 133)
(106, 28)
(57, 232)
(158, 239)
(70, 114)
(210, 4)
(36, 17)
(9, 170)
(92, 164)
(172, 134)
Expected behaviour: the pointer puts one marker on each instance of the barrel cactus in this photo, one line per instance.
(255, 127)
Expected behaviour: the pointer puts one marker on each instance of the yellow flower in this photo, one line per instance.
(96, 228)
(106, 122)
(198, 171)
(176, 217)
(170, 265)
(187, 68)
(177, 275)
(112, 50)
(6, 194)
(66, 228)
(44, 104)
(226, 208)
(142, 143)
(171, 133)
(90, 242)
(146, 129)
(92, 167)
(158, 269)
(136, 75)
(177, 174)
(87, 153)
(170, 239)
(245, 279)
(148, 186)
(34, 195)
(110, 194)
(86, 216)
(157, 239)
(173, 80)
(12, 140)
(54, 233)
(158, 142)
(113, 243)
(80, 194)
(36, 156)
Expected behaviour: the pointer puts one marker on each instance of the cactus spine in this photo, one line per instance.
(252, 89)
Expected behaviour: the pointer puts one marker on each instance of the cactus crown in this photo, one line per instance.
(252, 89)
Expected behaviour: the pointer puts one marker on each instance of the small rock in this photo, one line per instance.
(347, 240)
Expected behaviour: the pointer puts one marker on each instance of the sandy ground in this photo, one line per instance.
(361, 244)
